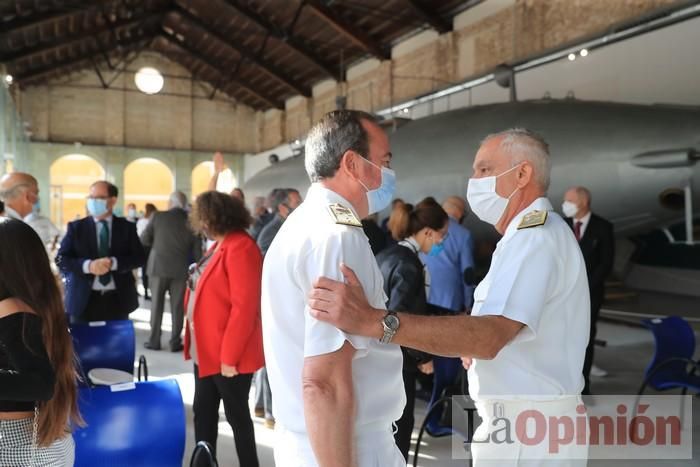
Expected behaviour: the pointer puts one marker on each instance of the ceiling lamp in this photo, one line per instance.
(149, 80)
(9, 79)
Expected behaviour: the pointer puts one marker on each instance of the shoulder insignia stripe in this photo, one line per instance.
(533, 219)
(343, 215)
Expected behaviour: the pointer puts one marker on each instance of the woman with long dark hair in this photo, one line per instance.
(38, 378)
(418, 230)
(223, 334)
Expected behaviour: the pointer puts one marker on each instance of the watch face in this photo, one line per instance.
(392, 322)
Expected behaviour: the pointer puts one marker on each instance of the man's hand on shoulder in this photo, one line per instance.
(344, 305)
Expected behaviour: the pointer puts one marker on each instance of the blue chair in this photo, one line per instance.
(105, 344)
(136, 424)
(673, 366)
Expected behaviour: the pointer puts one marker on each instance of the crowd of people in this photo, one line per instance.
(309, 280)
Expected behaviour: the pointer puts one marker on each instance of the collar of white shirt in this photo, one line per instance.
(12, 214)
(319, 193)
(108, 219)
(411, 243)
(540, 204)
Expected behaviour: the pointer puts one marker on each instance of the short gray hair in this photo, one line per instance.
(337, 131)
(178, 200)
(525, 145)
(14, 192)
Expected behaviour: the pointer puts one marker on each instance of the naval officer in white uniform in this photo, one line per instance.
(525, 340)
(335, 395)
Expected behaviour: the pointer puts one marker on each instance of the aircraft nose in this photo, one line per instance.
(667, 158)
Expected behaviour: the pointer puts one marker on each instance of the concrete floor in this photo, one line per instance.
(625, 357)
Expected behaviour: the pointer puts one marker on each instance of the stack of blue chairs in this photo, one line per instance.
(129, 424)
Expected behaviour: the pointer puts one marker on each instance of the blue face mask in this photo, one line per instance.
(97, 207)
(381, 197)
(436, 249)
(36, 207)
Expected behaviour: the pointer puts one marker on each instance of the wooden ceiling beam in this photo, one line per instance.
(270, 69)
(40, 19)
(358, 37)
(71, 65)
(91, 34)
(184, 49)
(284, 36)
(430, 16)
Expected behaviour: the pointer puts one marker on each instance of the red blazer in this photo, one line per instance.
(226, 315)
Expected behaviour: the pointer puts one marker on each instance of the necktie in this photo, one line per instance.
(103, 249)
(577, 231)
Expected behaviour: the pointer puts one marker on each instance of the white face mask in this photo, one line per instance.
(569, 209)
(488, 205)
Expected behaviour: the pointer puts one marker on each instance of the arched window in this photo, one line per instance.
(147, 180)
(70, 177)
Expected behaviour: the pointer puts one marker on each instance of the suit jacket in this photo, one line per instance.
(598, 248)
(80, 244)
(269, 232)
(226, 312)
(173, 244)
(404, 285)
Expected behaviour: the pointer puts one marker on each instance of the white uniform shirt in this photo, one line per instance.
(310, 244)
(537, 277)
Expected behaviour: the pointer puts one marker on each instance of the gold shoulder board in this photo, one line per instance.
(343, 215)
(533, 219)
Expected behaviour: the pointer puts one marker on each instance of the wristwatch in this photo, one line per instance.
(391, 325)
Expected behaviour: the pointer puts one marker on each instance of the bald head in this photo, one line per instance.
(581, 197)
(455, 207)
(19, 191)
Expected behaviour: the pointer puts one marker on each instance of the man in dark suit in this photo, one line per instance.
(97, 257)
(596, 239)
(283, 202)
(174, 247)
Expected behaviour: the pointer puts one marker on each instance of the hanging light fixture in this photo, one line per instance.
(149, 80)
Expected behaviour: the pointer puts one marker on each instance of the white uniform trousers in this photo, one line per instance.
(375, 448)
(517, 454)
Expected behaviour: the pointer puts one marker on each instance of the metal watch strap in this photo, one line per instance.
(388, 333)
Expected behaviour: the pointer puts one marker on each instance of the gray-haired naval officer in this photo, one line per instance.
(527, 333)
(335, 395)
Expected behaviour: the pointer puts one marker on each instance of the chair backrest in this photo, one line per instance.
(105, 344)
(674, 338)
(134, 424)
(203, 456)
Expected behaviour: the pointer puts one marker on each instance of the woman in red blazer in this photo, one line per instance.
(224, 334)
